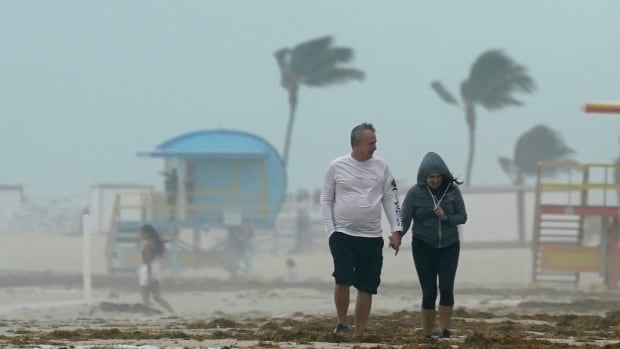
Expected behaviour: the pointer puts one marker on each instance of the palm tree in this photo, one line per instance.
(493, 78)
(312, 63)
(540, 143)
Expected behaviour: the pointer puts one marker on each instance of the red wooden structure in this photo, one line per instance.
(576, 224)
(602, 107)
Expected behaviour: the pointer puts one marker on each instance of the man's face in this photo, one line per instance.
(366, 147)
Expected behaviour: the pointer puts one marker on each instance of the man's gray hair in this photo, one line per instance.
(356, 132)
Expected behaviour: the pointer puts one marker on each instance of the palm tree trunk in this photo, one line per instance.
(470, 116)
(292, 101)
(520, 208)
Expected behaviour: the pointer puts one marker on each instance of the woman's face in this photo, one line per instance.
(433, 180)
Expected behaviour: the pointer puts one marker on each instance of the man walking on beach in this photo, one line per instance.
(356, 186)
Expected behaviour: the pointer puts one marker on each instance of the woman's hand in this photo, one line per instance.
(439, 213)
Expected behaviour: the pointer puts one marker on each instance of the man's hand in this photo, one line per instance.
(395, 240)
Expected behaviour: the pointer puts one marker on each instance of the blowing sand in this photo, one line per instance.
(42, 305)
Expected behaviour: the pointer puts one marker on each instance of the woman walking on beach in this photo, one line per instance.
(436, 206)
(150, 270)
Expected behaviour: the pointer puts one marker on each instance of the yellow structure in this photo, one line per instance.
(576, 226)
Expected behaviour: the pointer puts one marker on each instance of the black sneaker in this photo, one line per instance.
(341, 329)
(445, 333)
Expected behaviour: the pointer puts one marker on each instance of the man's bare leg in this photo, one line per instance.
(341, 299)
(362, 311)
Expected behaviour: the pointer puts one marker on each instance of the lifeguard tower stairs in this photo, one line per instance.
(132, 210)
(576, 226)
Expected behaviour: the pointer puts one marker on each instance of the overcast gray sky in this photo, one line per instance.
(84, 85)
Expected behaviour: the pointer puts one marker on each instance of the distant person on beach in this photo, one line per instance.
(356, 187)
(303, 224)
(150, 270)
(436, 206)
(241, 252)
(292, 272)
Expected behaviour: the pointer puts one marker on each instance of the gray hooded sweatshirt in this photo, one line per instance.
(420, 201)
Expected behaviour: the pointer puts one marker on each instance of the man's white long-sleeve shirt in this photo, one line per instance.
(352, 196)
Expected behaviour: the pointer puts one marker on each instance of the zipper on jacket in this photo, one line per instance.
(436, 204)
(439, 222)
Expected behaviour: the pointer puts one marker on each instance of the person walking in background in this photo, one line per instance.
(303, 222)
(436, 206)
(292, 272)
(303, 225)
(247, 253)
(150, 270)
(240, 251)
(356, 187)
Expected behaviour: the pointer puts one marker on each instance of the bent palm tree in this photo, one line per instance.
(313, 63)
(540, 143)
(493, 78)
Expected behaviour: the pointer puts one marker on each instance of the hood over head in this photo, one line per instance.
(432, 162)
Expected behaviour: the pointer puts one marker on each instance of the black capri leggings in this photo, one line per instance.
(432, 264)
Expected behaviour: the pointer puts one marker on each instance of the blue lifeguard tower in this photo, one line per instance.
(214, 179)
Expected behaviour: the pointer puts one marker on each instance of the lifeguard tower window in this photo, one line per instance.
(231, 185)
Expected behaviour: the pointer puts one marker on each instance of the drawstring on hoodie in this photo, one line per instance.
(436, 204)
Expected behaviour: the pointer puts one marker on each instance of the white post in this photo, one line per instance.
(86, 277)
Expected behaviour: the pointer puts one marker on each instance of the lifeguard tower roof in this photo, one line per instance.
(216, 143)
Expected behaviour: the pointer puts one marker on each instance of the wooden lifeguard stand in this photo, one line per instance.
(576, 224)
(577, 220)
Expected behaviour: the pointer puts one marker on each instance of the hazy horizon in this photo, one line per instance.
(87, 85)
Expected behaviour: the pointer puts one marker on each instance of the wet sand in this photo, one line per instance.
(495, 306)
(256, 317)
(226, 314)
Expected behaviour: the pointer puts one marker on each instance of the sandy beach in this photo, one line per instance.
(42, 304)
